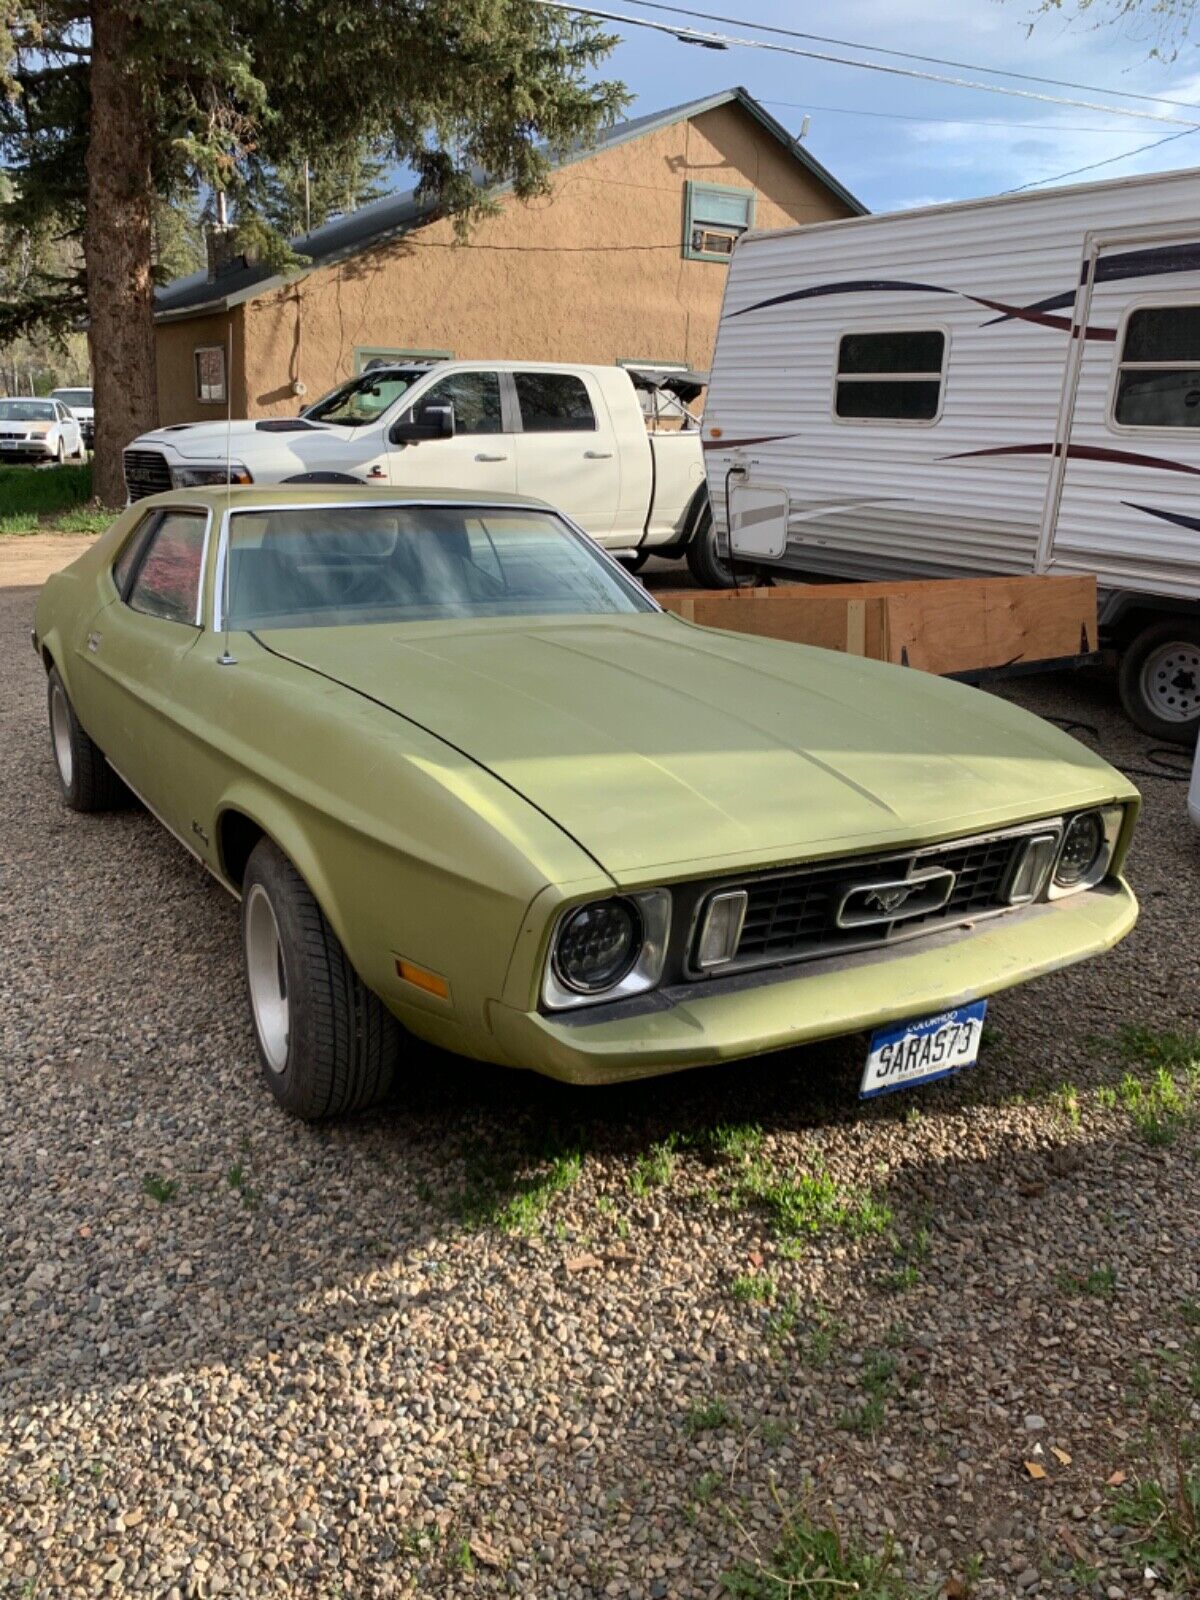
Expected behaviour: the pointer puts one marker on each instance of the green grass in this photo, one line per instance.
(802, 1204)
(160, 1188)
(1161, 1092)
(815, 1562)
(1164, 1517)
(706, 1415)
(1100, 1281)
(495, 1196)
(754, 1288)
(51, 499)
(866, 1418)
(654, 1168)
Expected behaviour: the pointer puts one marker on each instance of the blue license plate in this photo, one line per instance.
(921, 1052)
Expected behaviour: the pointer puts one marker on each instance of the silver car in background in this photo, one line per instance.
(32, 429)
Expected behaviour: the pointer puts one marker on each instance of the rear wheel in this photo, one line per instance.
(326, 1044)
(705, 563)
(1160, 680)
(85, 778)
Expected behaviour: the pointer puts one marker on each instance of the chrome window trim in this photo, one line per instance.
(627, 582)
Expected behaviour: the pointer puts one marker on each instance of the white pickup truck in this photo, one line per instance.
(618, 451)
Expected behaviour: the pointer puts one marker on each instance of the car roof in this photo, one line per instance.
(331, 494)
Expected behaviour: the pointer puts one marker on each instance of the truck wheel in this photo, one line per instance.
(1160, 680)
(87, 781)
(706, 565)
(326, 1044)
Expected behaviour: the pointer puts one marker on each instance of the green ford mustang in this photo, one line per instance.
(471, 785)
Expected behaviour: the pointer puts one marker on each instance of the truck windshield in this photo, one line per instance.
(346, 565)
(72, 397)
(365, 398)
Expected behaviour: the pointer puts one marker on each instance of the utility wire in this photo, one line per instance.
(1107, 162)
(722, 41)
(913, 116)
(906, 55)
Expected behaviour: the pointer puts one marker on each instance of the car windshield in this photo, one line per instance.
(73, 397)
(338, 565)
(364, 399)
(26, 411)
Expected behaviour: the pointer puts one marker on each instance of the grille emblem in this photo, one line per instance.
(865, 904)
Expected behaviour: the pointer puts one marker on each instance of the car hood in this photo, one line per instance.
(208, 441)
(658, 745)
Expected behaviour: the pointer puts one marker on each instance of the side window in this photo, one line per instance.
(125, 564)
(167, 583)
(1158, 380)
(475, 397)
(890, 377)
(715, 217)
(554, 402)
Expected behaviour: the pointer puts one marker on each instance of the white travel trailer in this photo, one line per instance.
(998, 386)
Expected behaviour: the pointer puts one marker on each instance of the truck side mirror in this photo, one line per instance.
(431, 422)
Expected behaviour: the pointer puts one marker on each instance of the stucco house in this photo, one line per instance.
(623, 260)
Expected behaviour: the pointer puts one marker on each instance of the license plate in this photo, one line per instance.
(921, 1052)
(9, 444)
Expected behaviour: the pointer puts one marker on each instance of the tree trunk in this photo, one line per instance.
(117, 242)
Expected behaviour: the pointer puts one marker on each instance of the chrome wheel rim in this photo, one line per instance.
(60, 733)
(1171, 682)
(266, 978)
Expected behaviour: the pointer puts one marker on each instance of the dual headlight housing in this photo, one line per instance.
(206, 474)
(1086, 850)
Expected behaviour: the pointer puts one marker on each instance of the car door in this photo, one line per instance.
(68, 428)
(566, 452)
(480, 456)
(130, 657)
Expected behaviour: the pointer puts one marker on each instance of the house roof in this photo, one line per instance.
(397, 214)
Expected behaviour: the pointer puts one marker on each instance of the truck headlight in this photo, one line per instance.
(215, 473)
(607, 949)
(1088, 842)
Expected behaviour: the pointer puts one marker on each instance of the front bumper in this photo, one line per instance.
(693, 1025)
(28, 450)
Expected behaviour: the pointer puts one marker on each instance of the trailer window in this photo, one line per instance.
(1158, 382)
(891, 377)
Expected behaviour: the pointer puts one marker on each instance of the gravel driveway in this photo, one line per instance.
(511, 1338)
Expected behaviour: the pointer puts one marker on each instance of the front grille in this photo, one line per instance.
(792, 916)
(146, 472)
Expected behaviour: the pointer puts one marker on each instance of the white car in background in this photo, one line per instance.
(39, 430)
(79, 403)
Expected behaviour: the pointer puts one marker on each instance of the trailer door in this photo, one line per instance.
(1128, 507)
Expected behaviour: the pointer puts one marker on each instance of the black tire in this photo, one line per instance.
(340, 1044)
(705, 564)
(1160, 680)
(85, 779)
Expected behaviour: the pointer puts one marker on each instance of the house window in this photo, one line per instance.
(715, 217)
(378, 356)
(210, 373)
(890, 377)
(1158, 380)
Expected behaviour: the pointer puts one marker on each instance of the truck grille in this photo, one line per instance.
(793, 916)
(146, 472)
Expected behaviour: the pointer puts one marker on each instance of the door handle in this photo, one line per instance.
(597, 455)
(483, 456)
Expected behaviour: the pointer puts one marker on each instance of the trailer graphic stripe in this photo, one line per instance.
(736, 444)
(1153, 262)
(1176, 517)
(1079, 452)
(893, 285)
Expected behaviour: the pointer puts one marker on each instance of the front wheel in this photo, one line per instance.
(705, 563)
(326, 1044)
(60, 454)
(1160, 680)
(85, 778)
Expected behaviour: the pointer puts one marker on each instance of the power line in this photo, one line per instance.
(913, 116)
(1107, 162)
(906, 55)
(723, 41)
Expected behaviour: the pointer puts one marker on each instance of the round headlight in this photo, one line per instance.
(597, 945)
(1081, 847)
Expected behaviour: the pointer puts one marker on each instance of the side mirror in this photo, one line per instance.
(431, 422)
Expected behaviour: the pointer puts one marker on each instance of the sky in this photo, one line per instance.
(936, 142)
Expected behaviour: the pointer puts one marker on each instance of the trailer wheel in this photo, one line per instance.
(1160, 680)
